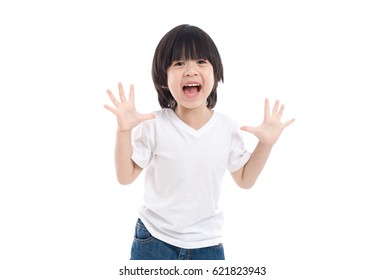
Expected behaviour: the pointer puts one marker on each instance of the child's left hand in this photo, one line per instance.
(271, 128)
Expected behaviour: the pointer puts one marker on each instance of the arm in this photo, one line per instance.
(267, 133)
(126, 169)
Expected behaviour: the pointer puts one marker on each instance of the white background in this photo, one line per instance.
(316, 212)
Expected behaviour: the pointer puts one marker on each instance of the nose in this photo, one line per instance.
(191, 69)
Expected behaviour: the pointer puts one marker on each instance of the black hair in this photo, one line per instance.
(184, 42)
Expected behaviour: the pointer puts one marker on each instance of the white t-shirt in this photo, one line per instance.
(184, 172)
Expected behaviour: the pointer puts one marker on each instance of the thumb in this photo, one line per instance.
(146, 117)
(248, 129)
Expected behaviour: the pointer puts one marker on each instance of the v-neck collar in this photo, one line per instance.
(195, 132)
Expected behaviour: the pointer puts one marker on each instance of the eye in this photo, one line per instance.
(202, 61)
(178, 63)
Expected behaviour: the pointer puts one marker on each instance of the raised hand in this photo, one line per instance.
(271, 128)
(125, 111)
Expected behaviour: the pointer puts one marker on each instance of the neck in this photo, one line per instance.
(195, 118)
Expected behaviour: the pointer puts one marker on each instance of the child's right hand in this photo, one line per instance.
(125, 111)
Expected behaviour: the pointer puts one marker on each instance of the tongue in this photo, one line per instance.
(190, 90)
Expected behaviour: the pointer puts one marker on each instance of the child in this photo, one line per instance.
(186, 148)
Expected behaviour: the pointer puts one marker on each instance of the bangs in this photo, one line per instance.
(190, 44)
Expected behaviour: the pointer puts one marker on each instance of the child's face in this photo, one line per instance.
(190, 82)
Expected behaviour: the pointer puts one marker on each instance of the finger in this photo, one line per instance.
(267, 108)
(131, 97)
(121, 93)
(146, 117)
(109, 108)
(275, 108)
(280, 112)
(112, 97)
(248, 129)
(289, 122)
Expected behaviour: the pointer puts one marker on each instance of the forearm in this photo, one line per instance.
(253, 168)
(124, 165)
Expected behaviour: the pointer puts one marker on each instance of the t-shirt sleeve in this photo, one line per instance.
(238, 153)
(142, 144)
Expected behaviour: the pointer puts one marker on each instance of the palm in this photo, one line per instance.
(271, 128)
(125, 111)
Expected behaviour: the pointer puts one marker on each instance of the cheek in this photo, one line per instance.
(211, 82)
(170, 79)
(210, 75)
(171, 84)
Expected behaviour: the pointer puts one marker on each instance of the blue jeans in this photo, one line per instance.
(147, 247)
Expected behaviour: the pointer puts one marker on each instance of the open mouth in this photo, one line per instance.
(192, 90)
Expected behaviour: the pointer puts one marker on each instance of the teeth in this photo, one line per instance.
(192, 85)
